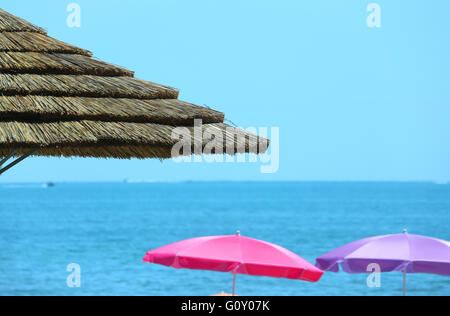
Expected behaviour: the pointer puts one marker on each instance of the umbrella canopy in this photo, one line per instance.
(402, 252)
(413, 253)
(56, 98)
(235, 254)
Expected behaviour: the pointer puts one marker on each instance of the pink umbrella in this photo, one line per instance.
(237, 255)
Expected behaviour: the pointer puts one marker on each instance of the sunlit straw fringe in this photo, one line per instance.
(66, 138)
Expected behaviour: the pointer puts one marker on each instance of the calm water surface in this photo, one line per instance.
(107, 228)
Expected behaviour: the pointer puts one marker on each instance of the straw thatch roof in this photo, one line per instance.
(56, 98)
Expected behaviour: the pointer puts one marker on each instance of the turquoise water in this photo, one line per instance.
(107, 228)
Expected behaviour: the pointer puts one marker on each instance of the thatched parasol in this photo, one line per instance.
(56, 100)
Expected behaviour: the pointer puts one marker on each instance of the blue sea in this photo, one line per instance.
(107, 228)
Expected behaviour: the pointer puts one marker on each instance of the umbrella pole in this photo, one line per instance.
(404, 282)
(6, 158)
(234, 283)
(235, 271)
(17, 161)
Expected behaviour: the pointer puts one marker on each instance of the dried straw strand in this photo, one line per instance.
(67, 64)
(12, 23)
(83, 86)
(49, 108)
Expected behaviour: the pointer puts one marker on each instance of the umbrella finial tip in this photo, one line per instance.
(405, 231)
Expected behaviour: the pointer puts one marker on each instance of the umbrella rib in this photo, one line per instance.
(17, 161)
(410, 254)
(2, 162)
(358, 249)
(178, 253)
(344, 259)
(241, 255)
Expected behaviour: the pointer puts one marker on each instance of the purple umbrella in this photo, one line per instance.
(403, 252)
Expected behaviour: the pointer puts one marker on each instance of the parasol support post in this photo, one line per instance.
(2, 162)
(234, 283)
(15, 162)
(234, 280)
(404, 282)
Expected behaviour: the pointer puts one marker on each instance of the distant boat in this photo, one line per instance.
(134, 181)
(49, 185)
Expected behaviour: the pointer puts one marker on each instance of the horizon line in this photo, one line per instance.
(141, 181)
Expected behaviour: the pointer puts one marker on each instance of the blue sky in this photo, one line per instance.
(351, 102)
